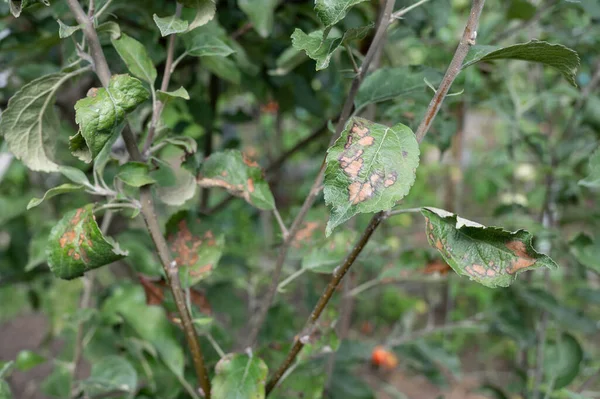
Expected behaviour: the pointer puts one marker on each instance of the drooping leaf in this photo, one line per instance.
(136, 174)
(53, 192)
(260, 13)
(200, 43)
(587, 251)
(29, 123)
(195, 247)
(562, 360)
(238, 175)
(166, 96)
(150, 323)
(76, 245)
(239, 376)
(389, 83)
(110, 27)
(593, 178)
(491, 256)
(357, 33)
(557, 56)
(225, 68)
(135, 56)
(170, 25)
(315, 47)
(75, 175)
(111, 374)
(102, 111)
(330, 12)
(16, 6)
(369, 168)
(205, 12)
(65, 31)
(179, 190)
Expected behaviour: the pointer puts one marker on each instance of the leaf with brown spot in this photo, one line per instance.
(237, 174)
(491, 256)
(195, 248)
(369, 168)
(76, 245)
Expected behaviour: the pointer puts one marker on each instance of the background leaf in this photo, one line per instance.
(239, 376)
(136, 174)
(76, 245)
(135, 56)
(260, 14)
(330, 12)
(369, 168)
(315, 47)
(593, 178)
(110, 374)
(170, 25)
(54, 191)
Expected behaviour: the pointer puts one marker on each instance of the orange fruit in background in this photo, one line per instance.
(383, 358)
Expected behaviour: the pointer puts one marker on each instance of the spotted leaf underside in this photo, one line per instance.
(369, 168)
(76, 245)
(239, 175)
(491, 256)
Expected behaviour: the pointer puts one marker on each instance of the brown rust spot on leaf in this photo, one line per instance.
(185, 245)
(250, 184)
(366, 141)
(67, 238)
(201, 271)
(248, 161)
(224, 173)
(305, 233)
(360, 192)
(524, 260)
(439, 245)
(93, 92)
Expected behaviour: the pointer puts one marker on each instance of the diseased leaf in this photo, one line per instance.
(389, 83)
(238, 175)
(170, 25)
(76, 245)
(260, 13)
(593, 178)
(491, 256)
(205, 12)
(587, 251)
(562, 360)
(195, 247)
(16, 6)
(135, 56)
(166, 96)
(557, 56)
(179, 190)
(239, 376)
(102, 111)
(136, 174)
(369, 168)
(65, 31)
(330, 12)
(110, 374)
(30, 125)
(53, 192)
(315, 47)
(200, 43)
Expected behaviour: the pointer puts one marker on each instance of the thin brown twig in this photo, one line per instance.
(158, 105)
(467, 40)
(148, 210)
(258, 321)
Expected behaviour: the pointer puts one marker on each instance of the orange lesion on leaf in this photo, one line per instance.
(359, 192)
(523, 260)
(248, 161)
(185, 245)
(305, 233)
(224, 173)
(201, 271)
(250, 184)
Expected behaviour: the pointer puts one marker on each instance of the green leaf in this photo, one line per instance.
(491, 256)
(26, 360)
(102, 111)
(327, 254)
(16, 6)
(315, 47)
(30, 124)
(10, 208)
(178, 190)
(287, 61)
(110, 374)
(562, 360)
(37, 248)
(593, 179)
(111, 28)
(135, 56)
(389, 83)
(58, 383)
(170, 25)
(557, 56)
(75, 175)
(205, 12)
(5, 392)
(520, 9)
(239, 376)
(224, 68)
(135, 174)
(200, 43)
(260, 13)
(330, 12)
(53, 192)
(76, 245)
(65, 31)
(150, 323)
(166, 96)
(587, 251)
(6, 368)
(369, 168)
(195, 247)
(238, 175)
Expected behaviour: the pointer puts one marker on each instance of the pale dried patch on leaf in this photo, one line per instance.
(523, 261)
(305, 233)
